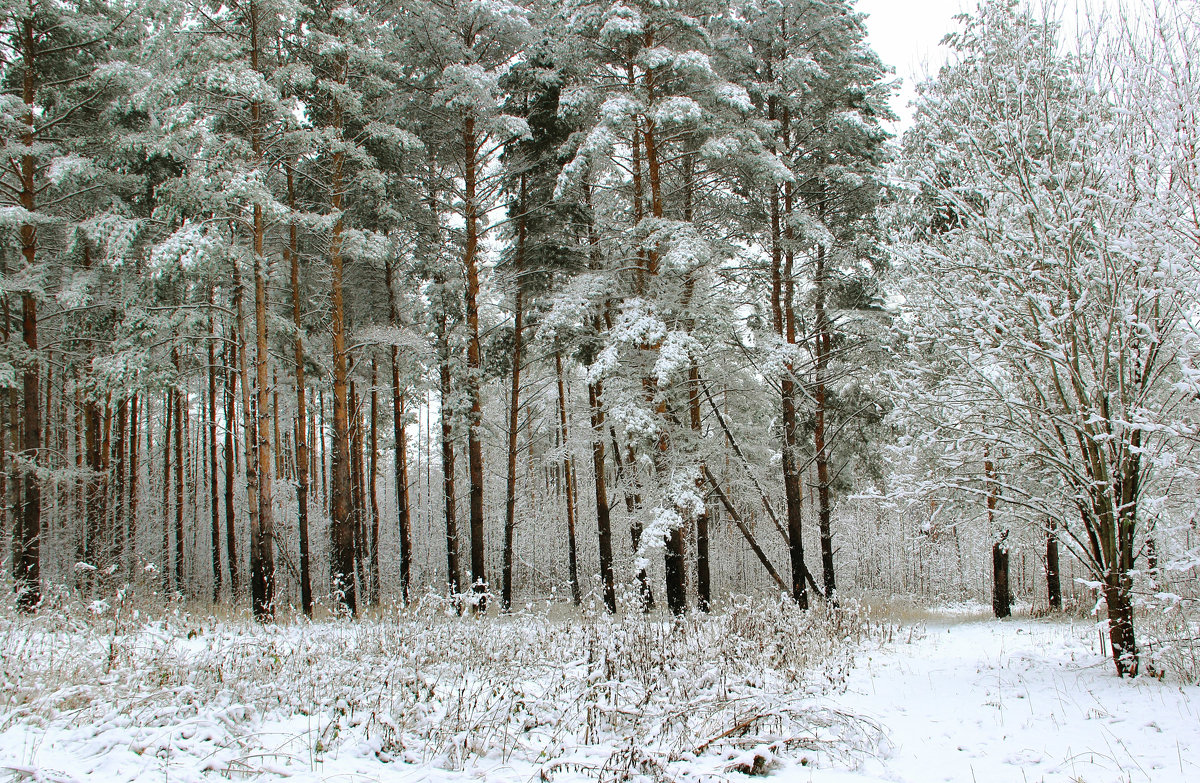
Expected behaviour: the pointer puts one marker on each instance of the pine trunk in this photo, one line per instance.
(474, 364)
(302, 457)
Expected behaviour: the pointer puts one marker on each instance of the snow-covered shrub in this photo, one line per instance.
(621, 698)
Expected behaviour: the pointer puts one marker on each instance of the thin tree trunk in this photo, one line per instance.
(28, 559)
(180, 433)
(568, 469)
(824, 511)
(249, 442)
(703, 574)
(168, 433)
(302, 458)
(452, 564)
(403, 521)
(474, 364)
(230, 386)
(514, 400)
(134, 447)
(214, 493)
(373, 481)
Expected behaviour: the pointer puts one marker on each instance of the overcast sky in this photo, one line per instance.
(906, 33)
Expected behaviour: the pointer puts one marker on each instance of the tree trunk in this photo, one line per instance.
(782, 290)
(1001, 589)
(230, 377)
(302, 458)
(180, 432)
(28, 558)
(403, 521)
(568, 469)
(134, 446)
(474, 364)
(168, 428)
(214, 493)
(452, 565)
(514, 400)
(820, 448)
(249, 442)
(1118, 590)
(342, 523)
(373, 484)
(1053, 583)
(703, 573)
(262, 525)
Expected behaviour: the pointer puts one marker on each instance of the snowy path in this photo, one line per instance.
(1018, 700)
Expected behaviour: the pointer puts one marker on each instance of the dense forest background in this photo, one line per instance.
(334, 305)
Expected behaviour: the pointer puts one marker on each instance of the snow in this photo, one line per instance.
(960, 697)
(1015, 700)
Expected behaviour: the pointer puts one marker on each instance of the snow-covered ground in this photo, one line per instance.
(961, 699)
(1017, 700)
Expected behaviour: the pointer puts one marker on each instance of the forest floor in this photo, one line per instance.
(535, 699)
(1022, 700)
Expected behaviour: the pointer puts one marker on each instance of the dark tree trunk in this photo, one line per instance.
(1001, 586)
(373, 484)
(302, 457)
(403, 521)
(452, 565)
(28, 557)
(568, 469)
(134, 447)
(514, 401)
(214, 493)
(230, 377)
(603, 523)
(342, 524)
(820, 448)
(1053, 582)
(168, 428)
(703, 575)
(474, 364)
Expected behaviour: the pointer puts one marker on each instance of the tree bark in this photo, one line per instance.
(568, 469)
(28, 558)
(403, 521)
(821, 454)
(514, 399)
(474, 363)
(214, 496)
(342, 526)
(302, 457)
(451, 512)
(1053, 583)
(262, 526)
(1001, 589)
(230, 377)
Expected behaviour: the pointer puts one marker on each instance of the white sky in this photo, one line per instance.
(906, 33)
